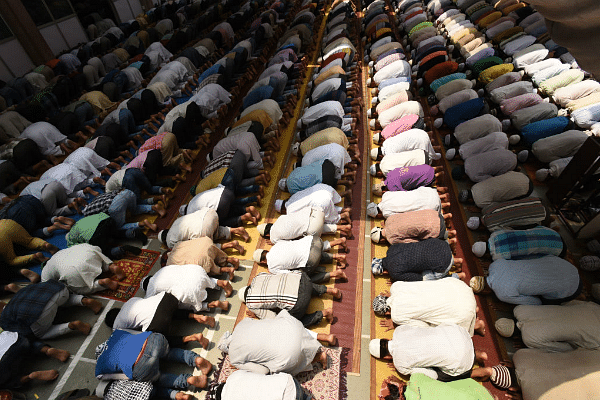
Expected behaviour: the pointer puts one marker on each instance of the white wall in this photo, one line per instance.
(127, 9)
(63, 35)
(16, 60)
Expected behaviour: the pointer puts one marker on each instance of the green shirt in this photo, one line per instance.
(84, 229)
(422, 387)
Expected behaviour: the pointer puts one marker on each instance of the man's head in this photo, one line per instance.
(376, 234)
(280, 206)
(111, 316)
(282, 184)
(372, 210)
(378, 188)
(380, 305)
(242, 293)
(162, 236)
(264, 229)
(375, 170)
(260, 256)
(376, 154)
(379, 348)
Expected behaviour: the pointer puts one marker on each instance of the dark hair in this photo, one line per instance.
(111, 316)
(268, 230)
(163, 236)
(383, 348)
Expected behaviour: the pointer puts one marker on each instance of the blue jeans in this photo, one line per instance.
(124, 201)
(430, 275)
(147, 367)
(136, 181)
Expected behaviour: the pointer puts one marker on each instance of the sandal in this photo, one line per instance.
(503, 377)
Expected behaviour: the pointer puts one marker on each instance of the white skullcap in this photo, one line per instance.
(182, 209)
(473, 223)
(369, 81)
(257, 254)
(376, 137)
(160, 235)
(450, 153)
(523, 155)
(374, 153)
(505, 327)
(378, 186)
(375, 348)
(261, 229)
(372, 124)
(373, 170)
(242, 293)
(376, 234)
(295, 148)
(479, 248)
(282, 184)
(369, 113)
(372, 210)
(278, 205)
(542, 174)
(514, 139)
(505, 124)
(299, 124)
(438, 122)
(208, 157)
(436, 156)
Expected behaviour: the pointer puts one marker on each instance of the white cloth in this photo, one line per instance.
(245, 385)
(115, 182)
(188, 283)
(320, 196)
(394, 70)
(420, 349)
(78, 267)
(403, 159)
(210, 98)
(270, 106)
(575, 91)
(87, 161)
(413, 139)
(287, 255)
(68, 176)
(256, 345)
(203, 222)
(433, 303)
(137, 313)
(307, 221)
(422, 198)
(46, 136)
(7, 339)
(333, 152)
(207, 199)
(322, 109)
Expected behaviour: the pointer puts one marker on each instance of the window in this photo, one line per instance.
(45, 11)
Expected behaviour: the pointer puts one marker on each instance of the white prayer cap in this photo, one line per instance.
(295, 148)
(278, 205)
(369, 113)
(372, 124)
(257, 254)
(282, 184)
(160, 236)
(375, 348)
(376, 234)
(376, 137)
(505, 327)
(373, 170)
(514, 139)
(261, 229)
(374, 153)
(479, 249)
(372, 210)
(450, 153)
(473, 223)
(299, 124)
(242, 293)
(477, 283)
(523, 155)
(182, 209)
(377, 187)
(369, 81)
(436, 156)
(208, 158)
(542, 174)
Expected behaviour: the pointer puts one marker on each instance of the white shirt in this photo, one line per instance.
(115, 182)
(292, 225)
(404, 159)
(333, 152)
(68, 176)
(188, 283)
(46, 136)
(433, 303)
(210, 98)
(7, 339)
(394, 70)
(413, 139)
(209, 199)
(137, 313)
(320, 196)
(419, 349)
(287, 255)
(77, 267)
(315, 112)
(203, 222)
(422, 198)
(87, 161)
(246, 385)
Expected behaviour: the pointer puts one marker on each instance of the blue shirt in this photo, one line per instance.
(123, 349)
(522, 281)
(305, 177)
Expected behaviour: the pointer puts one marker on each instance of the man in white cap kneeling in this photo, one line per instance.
(443, 352)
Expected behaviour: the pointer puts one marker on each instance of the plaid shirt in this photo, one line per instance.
(324, 122)
(387, 60)
(100, 204)
(222, 161)
(27, 305)
(515, 244)
(214, 78)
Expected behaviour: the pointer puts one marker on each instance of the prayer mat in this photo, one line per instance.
(135, 267)
(322, 384)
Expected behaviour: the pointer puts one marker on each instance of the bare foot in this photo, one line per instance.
(39, 257)
(80, 326)
(203, 319)
(12, 287)
(481, 357)
(109, 283)
(223, 305)
(254, 211)
(203, 365)
(197, 337)
(29, 274)
(336, 293)
(147, 224)
(338, 274)
(183, 396)
(226, 285)
(159, 208)
(92, 304)
(480, 327)
(328, 314)
(59, 354)
(199, 381)
(119, 273)
(48, 375)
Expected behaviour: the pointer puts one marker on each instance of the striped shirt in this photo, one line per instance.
(270, 293)
(513, 214)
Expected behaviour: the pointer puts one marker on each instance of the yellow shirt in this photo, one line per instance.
(326, 136)
(211, 181)
(257, 115)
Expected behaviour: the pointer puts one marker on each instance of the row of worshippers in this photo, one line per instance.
(432, 311)
(233, 179)
(81, 264)
(158, 155)
(277, 301)
(527, 267)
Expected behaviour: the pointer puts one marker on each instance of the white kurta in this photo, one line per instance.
(245, 385)
(257, 345)
(404, 159)
(207, 199)
(69, 176)
(333, 152)
(287, 255)
(320, 196)
(77, 267)
(137, 313)
(422, 198)
(87, 161)
(433, 303)
(201, 223)
(188, 283)
(46, 136)
(413, 139)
